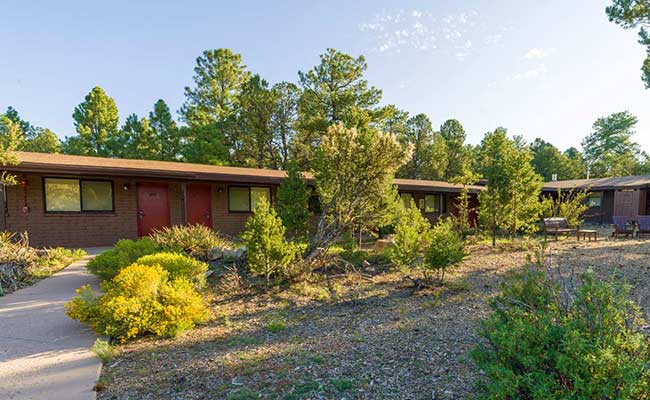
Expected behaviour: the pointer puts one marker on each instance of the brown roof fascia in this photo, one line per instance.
(68, 165)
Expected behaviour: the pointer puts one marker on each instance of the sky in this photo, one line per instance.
(544, 69)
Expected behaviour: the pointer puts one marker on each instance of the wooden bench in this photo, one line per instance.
(557, 226)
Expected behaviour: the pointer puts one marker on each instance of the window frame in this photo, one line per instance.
(81, 210)
(230, 211)
(596, 194)
(442, 203)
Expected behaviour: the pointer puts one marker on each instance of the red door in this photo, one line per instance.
(198, 204)
(153, 207)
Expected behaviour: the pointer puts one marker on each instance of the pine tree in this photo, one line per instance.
(511, 200)
(96, 121)
(293, 203)
(333, 92)
(267, 250)
(166, 132)
(218, 78)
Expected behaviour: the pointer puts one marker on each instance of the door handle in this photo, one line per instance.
(140, 214)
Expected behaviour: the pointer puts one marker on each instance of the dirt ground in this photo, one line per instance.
(373, 339)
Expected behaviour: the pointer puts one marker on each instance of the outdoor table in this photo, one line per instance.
(587, 234)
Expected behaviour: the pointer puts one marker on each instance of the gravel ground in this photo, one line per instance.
(375, 339)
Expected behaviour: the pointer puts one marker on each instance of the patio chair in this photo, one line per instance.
(644, 224)
(621, 227)
(557, 226)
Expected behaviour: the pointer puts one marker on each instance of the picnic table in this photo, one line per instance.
(587, 234)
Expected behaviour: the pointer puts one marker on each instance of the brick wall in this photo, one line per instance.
(71, 229)
(222, 219)
(90, 229)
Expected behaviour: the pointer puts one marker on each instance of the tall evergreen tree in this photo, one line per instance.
(96, 122)
(42, 140)
(632, 14)
(549, 161)
(333, 92)
(283, 119)
(24, 125)
(511, 200)
(205, 144)
(166, 132)
(429, 157)
(254, 138)
(419, 134)
(609, 150)
(457, 158)
(24, 136)
(218, 77)
(135, 140)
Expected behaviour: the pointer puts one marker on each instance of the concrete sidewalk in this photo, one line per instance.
(43, 353)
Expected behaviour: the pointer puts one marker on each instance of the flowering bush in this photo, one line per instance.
(178, 266)
(139, 300)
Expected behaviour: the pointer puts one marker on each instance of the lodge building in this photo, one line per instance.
(79, 201)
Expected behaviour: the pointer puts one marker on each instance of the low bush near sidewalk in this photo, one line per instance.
(22, 265)
(546, 340)
(140, 300)
(178, 266)
(126, 252)
(197, 241)
(55, 259)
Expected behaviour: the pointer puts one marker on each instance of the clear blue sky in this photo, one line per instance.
(538, 68)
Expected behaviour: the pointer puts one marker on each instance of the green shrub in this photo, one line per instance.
(269, 254)
(570, 205)
(109, 263)
(546, 340)
(178, 266)
(445, 249)
(139, 300)
(195, 240)
(293, 203)
(17, 261)
(412, 234)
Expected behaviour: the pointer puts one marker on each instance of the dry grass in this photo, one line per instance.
(356, 338)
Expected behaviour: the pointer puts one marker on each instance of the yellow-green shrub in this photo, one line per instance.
(140, 300)
(124, 253)
(178, 266)
(195, 240)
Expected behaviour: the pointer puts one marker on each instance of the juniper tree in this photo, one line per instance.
(268, 252)
(353, 174)
(293, 203)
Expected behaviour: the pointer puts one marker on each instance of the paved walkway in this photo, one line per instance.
(43, 353)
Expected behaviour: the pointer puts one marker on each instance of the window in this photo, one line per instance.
(407, 198)
(75, 195)
(433, 203)
(238, 199)
(245, 199)
(62, 195)
(595, 199)
(96, 196)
